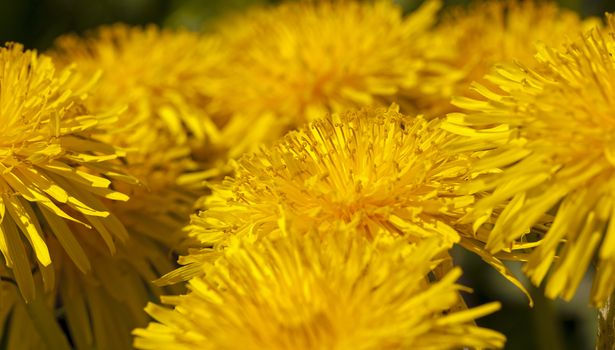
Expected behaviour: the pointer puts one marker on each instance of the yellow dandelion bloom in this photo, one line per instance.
(374, 169)
(159, 74)
(304, 292)
(52, 170)
(551, 121)
(160, 77)
(162, 129)
(294, 62)
(386, 171)
(487, 33)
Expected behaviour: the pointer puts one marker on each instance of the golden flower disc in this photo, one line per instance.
(305, 292)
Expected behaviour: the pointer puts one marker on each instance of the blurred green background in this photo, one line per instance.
(547, 326)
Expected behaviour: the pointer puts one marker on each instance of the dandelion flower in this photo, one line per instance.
(294, 62)
(161, 129)
(549, 130)
(375, 166)
(374, 169)
(487, 33)
(159, 76)
(52, 169)
(57, 180)
(340, 292)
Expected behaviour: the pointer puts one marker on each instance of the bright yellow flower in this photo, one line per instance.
(159, 76)
(52, 171)
(298, 60)
(374, 169)
(553, 122)
(56, 195)
(489, 32)
(341, 291)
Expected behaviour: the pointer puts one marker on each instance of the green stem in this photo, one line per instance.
(546, 322)
(606, 325)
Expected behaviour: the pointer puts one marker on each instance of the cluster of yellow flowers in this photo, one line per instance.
(296, 177)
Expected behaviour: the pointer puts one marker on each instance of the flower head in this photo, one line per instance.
(56, 191)
(304, 292)
(52, 169)
(297, 61)
(373, 169)
(487, 33)
(159, 76)
(549, 128)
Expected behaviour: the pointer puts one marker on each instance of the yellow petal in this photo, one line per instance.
(28, 224)
(21, 264)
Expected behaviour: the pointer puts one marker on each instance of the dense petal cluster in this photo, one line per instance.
(160, 77)
(301, 291)
(550, 127)
(53, 172)
(163, 129)
(377, 167)
(487, 33)
(374, 169)
(57, 179)
(299, 60)
(334, 236)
